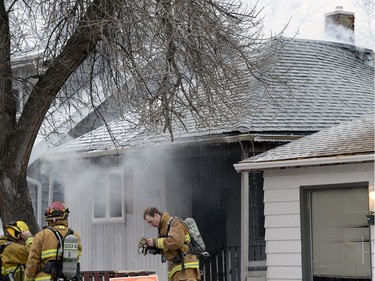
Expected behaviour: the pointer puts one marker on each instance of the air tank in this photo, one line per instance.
(196, 235)
(70, 256)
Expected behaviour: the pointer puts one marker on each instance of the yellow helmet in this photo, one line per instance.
(14, 229)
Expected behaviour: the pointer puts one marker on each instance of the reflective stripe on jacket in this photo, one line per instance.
(45, 249)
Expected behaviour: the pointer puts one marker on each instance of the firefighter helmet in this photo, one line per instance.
(56, 211)
(14, 229)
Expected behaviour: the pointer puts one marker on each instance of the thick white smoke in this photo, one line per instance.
(305, 19)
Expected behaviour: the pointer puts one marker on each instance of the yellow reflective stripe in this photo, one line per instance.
(193, 264)
(42, 278)
(7, 270)
(187, 238)
(49, 253)
(29, 240)
(160, 244)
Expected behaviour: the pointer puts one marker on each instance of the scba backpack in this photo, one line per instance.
(196, 246)
(68, 267)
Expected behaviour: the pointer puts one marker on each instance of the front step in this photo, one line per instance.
(256, 278)
(257, 271)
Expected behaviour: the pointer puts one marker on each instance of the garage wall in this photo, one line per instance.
(282, 211)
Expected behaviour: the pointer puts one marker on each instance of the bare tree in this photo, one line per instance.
(158, 59)
(366, 10)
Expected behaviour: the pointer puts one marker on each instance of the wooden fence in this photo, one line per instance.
(224, 265)
(105, 275)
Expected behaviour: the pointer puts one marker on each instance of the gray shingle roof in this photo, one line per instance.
(329, 84)
(326, 83)
(348, 138)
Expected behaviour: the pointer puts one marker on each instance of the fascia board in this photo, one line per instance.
(248, 166)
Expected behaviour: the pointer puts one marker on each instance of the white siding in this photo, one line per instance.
(282, 248)
(288, 207)
(282, 212)
(113, 246)
(283, 220)
(284, 273)
(282, 233)
(279, 259)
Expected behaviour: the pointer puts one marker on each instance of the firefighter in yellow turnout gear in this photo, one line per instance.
(173, 242)
(44, 257)
(14, 245)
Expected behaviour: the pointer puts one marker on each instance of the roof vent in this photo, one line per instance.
(339, 25)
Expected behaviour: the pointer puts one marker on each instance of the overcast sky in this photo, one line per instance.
(307, 18)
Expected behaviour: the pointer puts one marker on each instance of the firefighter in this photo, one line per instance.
(14, 249)
(173, 242)
(45, 260)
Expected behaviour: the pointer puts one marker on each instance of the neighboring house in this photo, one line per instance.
(108, 180)
(318, 191)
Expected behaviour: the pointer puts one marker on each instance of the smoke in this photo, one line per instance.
(305, 19)
(339, 34)
(138, 173)
(143, 175)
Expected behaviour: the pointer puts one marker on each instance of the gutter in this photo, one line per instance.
(193, 140)
(251, 166)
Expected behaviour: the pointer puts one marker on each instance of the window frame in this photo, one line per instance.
(305, 207)
(106, 174)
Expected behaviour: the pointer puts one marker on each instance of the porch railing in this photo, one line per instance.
(257, 251)
(105, 275)
(224, 265)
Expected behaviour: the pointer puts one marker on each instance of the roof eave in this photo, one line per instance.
(191, 141)
(252, 166)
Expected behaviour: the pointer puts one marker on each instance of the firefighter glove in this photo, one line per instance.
(142, 242)
(142, 246)
(153, 250)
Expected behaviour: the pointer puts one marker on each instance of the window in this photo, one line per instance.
(57, 192)
(108, 198)
(335, 235)
(256, 217)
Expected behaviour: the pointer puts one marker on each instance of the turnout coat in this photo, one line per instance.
(14, 256)
(174, 241)
(45, 249)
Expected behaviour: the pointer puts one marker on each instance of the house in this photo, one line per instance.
(108, 179)
(318, 191)
(109, 175)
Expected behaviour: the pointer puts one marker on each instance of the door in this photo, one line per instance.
(338, 234)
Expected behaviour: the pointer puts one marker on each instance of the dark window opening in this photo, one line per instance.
(257, 245)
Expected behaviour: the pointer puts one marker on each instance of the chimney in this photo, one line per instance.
(339, 25)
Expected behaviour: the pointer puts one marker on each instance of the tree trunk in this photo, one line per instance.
(17, 138)
(15, 199)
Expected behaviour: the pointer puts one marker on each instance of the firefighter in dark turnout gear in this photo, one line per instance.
(14, 250)
(44, 263)
(173, 241)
